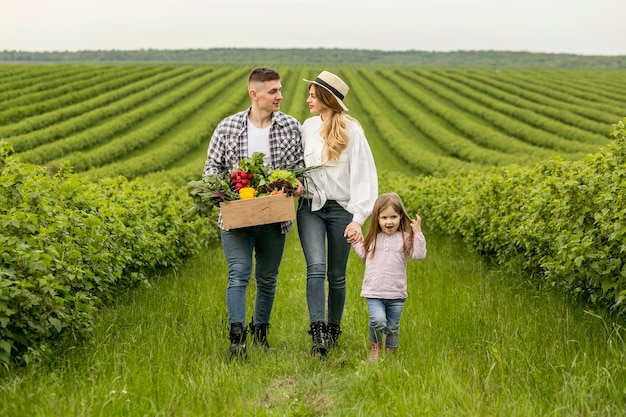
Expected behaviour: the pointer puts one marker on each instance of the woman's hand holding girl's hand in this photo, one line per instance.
(416, 224)
(353, 233)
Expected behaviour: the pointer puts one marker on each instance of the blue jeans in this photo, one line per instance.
(268, 243)
(317, 229)
(385, 318)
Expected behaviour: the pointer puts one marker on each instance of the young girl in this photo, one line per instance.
(393, 237)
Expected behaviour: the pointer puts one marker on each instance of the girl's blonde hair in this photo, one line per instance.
(394, 201)
(334, 129)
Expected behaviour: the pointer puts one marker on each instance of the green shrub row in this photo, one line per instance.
(20, 106)
(568, 96)
(467, 125)
(164, 157)
(562, 221)
(79, 87)
(402, 145)
(493, 112)
(116, 126)
(126, 102)
(37, 113)
(68, 245)
(443, 134)
(34, 79)
(521, 109)
(115, 149)
(600, 90)
(523, 98)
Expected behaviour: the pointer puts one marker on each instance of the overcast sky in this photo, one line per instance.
(587, 27)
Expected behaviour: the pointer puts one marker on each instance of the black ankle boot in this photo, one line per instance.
(332, 335)
(318, 334)
(237, 336)
(259, 333)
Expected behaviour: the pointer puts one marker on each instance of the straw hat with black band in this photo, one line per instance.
(335, 85)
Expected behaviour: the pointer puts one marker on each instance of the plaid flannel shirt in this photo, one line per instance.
(229, 145)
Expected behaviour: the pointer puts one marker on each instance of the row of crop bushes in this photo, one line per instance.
(37, 115)
(464, 123)
(555, 109)
(127, 101)
(115, 149)
(494, 112)
(113, 127)
(565, 221)
(527, 111)
(17, 82)
(79, 87)
(455, 144)
(403, 146)
(67, 245)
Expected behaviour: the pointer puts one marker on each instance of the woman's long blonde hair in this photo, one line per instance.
(394, 201)
(334, 129)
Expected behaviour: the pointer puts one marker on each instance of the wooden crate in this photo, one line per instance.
(257, 211)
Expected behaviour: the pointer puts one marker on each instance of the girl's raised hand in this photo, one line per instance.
(416, 224)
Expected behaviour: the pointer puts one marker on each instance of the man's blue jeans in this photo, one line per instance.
(316, 229)
(385, 318)
(267, 243)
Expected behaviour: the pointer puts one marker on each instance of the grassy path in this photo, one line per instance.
(474, 342)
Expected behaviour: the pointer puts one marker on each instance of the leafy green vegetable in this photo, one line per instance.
(283, 174)
(209, 191)
(255, 165)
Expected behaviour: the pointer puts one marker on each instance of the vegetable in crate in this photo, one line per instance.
(281, 181)
(252, 172)
(209, 192)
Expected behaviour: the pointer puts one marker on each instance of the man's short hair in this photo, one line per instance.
(263, 74)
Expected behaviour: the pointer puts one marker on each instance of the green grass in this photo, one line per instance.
(475, 341)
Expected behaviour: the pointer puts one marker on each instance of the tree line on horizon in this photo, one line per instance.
(310, 56)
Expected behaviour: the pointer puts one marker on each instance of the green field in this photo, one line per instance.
(134, 120)
(478, 338)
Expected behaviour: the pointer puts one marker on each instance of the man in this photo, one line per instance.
(260, 128)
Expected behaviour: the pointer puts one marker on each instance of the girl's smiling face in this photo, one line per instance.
(388, 220)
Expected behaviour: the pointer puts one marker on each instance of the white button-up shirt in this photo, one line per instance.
(351, 181)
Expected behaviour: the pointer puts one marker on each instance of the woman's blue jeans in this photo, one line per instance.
(385, 318)
(267, 243)
(317, 229)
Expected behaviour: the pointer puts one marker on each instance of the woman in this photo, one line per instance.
(338, 198)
